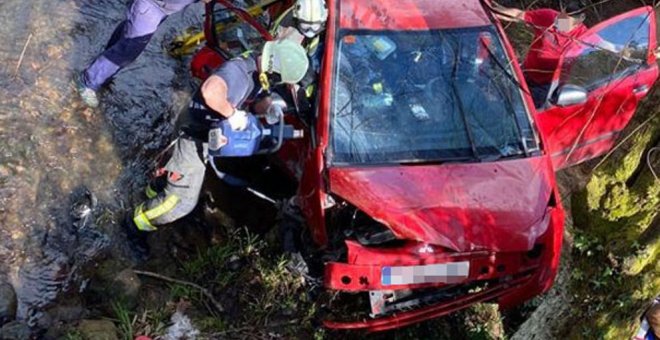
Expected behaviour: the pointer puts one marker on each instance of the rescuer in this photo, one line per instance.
(127, 42)
(228, 94)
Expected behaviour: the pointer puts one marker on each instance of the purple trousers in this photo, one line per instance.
(130, 38)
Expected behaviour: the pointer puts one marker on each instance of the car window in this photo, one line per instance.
(419, 96)
(613, 52)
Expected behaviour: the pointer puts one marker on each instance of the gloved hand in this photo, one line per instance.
(238, 120)
(273, 114)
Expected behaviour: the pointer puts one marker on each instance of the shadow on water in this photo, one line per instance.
(55, 154)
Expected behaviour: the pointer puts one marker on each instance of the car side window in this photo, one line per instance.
(610, 53)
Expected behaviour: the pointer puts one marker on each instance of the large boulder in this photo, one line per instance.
(125, 286)
(7, 303)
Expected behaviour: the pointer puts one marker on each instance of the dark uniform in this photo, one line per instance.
(130, 38)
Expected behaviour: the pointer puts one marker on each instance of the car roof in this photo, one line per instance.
(411, 14)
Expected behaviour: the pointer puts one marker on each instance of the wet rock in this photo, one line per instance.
(15, 330)
(67, 313)
(101, 288)
(7, 303)
(84, 202)
(126, 285)
(41, 321)
(97, 330)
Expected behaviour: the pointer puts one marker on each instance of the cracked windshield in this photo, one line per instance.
(427, 97)
(329, 169)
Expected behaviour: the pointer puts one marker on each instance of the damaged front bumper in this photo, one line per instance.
(417, 282)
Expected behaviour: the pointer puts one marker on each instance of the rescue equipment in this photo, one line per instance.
(188, 42)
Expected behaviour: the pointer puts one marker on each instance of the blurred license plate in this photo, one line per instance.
(453, 272)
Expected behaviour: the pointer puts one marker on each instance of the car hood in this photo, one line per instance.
(499, 206)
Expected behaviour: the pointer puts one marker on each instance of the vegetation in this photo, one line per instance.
(616, 240)
(614, 260)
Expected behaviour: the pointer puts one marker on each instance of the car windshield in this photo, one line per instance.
(426, 96)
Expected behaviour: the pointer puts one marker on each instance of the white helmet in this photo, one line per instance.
(311, 16)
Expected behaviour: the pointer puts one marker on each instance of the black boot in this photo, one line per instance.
(137, 239)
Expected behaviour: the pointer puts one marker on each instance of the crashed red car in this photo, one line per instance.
(427, 176)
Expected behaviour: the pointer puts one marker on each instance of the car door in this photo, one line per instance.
(601, 78)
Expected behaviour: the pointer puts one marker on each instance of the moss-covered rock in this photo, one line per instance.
(618, 242)
(97, 330)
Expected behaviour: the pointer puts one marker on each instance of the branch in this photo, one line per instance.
(649, 163)
(625, 139)
(20, 59)
(203, 290)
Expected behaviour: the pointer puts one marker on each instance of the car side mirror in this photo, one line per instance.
(569, 95)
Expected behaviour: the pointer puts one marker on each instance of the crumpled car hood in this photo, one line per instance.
(498, 206)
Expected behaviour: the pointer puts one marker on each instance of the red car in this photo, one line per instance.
(427, 176)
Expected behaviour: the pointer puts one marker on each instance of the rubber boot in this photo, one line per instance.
(137, 239)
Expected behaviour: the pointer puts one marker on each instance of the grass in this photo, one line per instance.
(153, 322)
(251, 280)
(149, 322)
(125, 321)
(263, 299)
(73, 334)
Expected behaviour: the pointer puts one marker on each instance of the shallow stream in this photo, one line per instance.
(52, 147)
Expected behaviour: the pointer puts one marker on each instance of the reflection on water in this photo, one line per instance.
(51, 146)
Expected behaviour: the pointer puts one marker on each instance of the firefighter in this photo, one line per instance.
(303, 23)
(553, 33)
(127, 42)
(226, 94)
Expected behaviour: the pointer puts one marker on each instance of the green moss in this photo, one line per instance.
(616, 262)
(634, 264)
(626, 166)
(596, 189)
(619, 203)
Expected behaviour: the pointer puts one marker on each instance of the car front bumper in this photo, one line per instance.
(497, 275)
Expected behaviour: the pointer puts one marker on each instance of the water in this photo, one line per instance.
(52, 147)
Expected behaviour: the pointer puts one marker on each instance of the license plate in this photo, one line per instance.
(453, 272)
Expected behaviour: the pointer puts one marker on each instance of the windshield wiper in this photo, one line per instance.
(503, 69)
(436, 161)
(510, 110)
(507, 98)
(498, 157)
(459, 101)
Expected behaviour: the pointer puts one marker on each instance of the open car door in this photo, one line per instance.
(595, 92)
